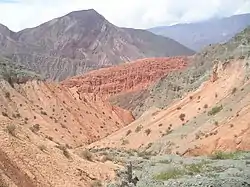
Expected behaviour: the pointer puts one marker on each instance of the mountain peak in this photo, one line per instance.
(85, 13)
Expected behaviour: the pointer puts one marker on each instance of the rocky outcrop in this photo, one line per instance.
(129, 77)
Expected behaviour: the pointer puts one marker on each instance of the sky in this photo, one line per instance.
(20, 14)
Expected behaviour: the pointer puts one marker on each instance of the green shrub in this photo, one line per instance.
(220, 155)
(215, 110)
(171, 174)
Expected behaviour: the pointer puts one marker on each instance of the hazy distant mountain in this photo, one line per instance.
(80, 41)
(198, 35)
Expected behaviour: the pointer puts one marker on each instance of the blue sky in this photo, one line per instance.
(20, 14)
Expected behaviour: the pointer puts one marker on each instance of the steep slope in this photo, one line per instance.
(40, 125)
(126, 78)
(81, 41)
(212, 116)
(199, 35)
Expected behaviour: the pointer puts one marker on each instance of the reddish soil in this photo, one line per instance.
(134, 76)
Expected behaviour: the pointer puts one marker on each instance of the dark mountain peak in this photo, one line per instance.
(86, 14)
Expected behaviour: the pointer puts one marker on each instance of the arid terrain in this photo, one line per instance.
(170, 121)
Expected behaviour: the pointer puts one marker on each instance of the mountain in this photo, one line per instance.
(199, 35)
(81, 41)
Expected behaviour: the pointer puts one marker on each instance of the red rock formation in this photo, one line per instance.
(127, 77)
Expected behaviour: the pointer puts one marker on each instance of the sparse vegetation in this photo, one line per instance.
(171, 174)
(215, 110)
(96, 183)
(107, 157)
(165, 161)
(220, 155)
(191, 169)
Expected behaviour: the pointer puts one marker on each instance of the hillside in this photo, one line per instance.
(81, 41)
(128, 78)
(41, 124)
(196, 36)
(210, 114)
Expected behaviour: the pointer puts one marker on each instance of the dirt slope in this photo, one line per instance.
(187, 127)
(81, 41)
(41, 123)
(130, 77)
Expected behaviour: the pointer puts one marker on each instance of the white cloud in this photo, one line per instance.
(19, 14)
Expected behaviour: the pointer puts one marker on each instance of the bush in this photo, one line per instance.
(11, 129)
(138, 128)
(215, 110)
(171, 174)
(182, 117)
(7, 95)
(219, 155)
(44, 113)
(4, 114)
(87, 155)
(205, 106)
(147, 132)
(128, 132)
(35, 128)
(234, 90)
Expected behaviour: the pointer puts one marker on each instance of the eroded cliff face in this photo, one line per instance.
(129, 77)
